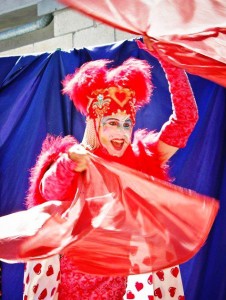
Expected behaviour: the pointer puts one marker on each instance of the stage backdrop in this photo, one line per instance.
(31, 106)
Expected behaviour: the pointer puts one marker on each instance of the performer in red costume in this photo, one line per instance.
(109, 98)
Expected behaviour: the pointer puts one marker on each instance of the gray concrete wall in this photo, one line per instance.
(67, 30)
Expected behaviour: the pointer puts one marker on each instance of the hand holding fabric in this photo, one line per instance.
(80, 156)
(117, 211)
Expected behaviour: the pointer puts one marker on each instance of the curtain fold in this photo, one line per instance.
(31, 106)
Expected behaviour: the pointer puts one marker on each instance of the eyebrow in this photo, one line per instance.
(110, 118)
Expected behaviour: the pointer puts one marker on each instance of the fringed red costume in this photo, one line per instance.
(100, 216)
(60, 180)
(62, 186)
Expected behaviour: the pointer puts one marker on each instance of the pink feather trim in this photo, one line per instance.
(51, 149)
(134, 74)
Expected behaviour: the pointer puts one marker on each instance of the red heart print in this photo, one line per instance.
(172, 291)
(50, 271)
(130, 295)
(160, 275)
(58, 276)
(150, 297)
(150, 279)
(174, 271)
(181, 298)
(53, 290)
(139, 286)
(153, 259)
(35, 288)
(136, 269)
(28, 278)
(37, 268)
(158, 293)
(134, 250)
(120, 95)
(25, 297)
(147, 261)
(43, 294)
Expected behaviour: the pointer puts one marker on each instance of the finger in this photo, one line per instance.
(76, 156)
(82, 165)
(78, 149)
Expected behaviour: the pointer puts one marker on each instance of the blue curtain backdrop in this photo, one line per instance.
(31, 106)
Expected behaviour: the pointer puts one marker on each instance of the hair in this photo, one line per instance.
(134, 74)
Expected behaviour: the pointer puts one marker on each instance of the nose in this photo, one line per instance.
(121, 128)
(122, 132)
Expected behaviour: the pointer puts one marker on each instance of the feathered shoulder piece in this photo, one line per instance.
(145, 147)
(51, 149)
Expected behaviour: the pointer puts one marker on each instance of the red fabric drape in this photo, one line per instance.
(122, 222)
(190, 33)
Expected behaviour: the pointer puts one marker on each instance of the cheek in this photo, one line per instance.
(128, 135)
(104, 135)
(104, 140)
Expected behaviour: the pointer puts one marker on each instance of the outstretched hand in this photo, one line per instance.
(148, 45)
(149, 42)
(80, 156)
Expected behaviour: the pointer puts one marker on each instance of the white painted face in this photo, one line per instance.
(115, 133)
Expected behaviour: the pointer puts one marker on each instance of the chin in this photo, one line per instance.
(117, 154)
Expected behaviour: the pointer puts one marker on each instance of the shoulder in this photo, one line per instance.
(54, 144)
(52, 148)
(144, 139)
(145, 148)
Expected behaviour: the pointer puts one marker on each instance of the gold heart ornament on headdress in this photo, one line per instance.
(109, 100)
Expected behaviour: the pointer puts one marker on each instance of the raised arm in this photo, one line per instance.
(175, 132)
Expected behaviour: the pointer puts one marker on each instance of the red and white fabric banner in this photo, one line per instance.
(122, 222)
(191, 34)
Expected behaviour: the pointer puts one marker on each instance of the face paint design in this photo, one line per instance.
(115, 133)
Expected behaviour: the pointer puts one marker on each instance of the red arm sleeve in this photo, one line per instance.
(177, 130)
(181, 123)
(52, 177)
(60, 181)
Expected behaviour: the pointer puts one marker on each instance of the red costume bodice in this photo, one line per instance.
(59, 182)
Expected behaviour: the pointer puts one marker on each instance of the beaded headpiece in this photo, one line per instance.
(97, 91)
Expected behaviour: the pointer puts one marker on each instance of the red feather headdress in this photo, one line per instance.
(97, 90)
